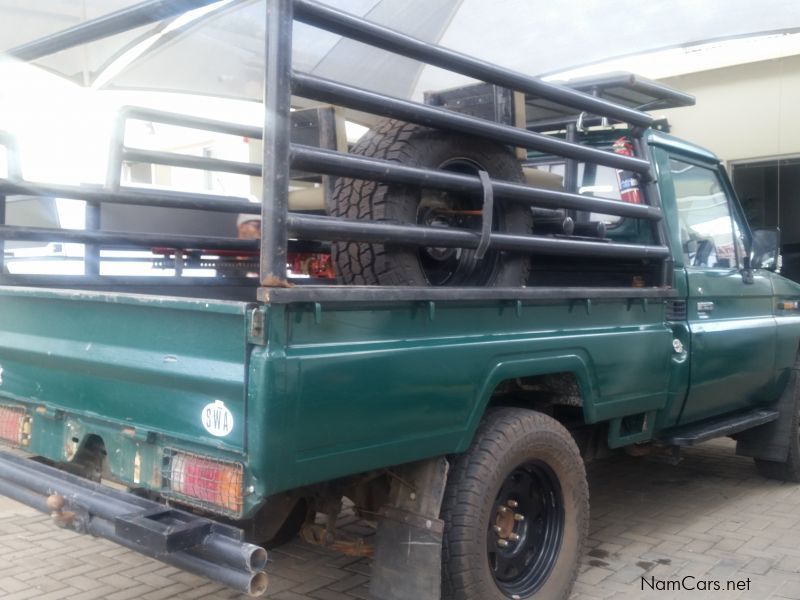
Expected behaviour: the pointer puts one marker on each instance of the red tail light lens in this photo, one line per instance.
(207, 482)
(15, 426)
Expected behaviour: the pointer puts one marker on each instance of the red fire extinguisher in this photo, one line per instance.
(628, 181)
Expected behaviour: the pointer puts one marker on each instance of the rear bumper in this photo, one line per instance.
(176, 537)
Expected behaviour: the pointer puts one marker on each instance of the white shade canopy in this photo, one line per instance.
(220, 51)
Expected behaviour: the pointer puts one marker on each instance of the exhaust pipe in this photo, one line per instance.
(179, 538)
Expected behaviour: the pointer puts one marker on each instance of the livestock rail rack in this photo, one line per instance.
(561, 108)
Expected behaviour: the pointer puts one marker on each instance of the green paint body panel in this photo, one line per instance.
(371, 386)
(341, 388)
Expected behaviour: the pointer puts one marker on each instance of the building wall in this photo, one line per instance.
(744, 112)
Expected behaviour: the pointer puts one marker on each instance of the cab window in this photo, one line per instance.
(704, 217)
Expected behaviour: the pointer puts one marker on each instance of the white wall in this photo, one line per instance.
(745, 112)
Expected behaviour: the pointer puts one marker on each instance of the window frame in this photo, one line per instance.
(734, 212)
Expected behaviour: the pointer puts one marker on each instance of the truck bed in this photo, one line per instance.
(143, 361)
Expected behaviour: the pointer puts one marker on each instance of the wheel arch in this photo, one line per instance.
(573, 362)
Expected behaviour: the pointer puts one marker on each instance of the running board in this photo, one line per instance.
(702, 432)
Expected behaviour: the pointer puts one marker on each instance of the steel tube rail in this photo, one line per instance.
(653, 197)
(91, 255)
(134, 240)
(9, 142)
(253, 584)
(114, 166)
(108, 504)
(277, 135)
(123, 281)
(160, 198)
(329, 162)
(2, 242)
(23, 495)
(175, 159)
(117, 150)
(106, 26)
(325, 90)
(336, 229)
(178, 120)
(31, 478)
(336, 21)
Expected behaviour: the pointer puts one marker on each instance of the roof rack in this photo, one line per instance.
(625, 89)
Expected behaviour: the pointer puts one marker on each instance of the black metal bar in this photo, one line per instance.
(360, 167)
(571, 165)
(13, 166)
(168, 118)
(652, 197)
(23, 496)
(335, 229)
(100, 506)
(324, 90)
(91, 252)
(120, 282)
(358, 293)
(159, 198)
(106, 26)
(191, 162)
(487, 215)
(2, 242)
(353, 27)
(132, 240)
(116, 146)
(277, 132)
(253, 584)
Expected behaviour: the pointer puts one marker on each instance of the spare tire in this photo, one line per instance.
(414, 145)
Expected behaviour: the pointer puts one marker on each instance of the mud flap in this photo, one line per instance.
(408, 545)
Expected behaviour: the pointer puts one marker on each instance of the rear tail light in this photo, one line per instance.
(208, 483)
(15, 426)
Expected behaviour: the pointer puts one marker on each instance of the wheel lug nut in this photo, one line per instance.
(513, 537)
(513, 503)
(502, 543)
(519, 517)
(503, 510)
(497, 529)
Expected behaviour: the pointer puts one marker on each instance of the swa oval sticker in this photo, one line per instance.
(217, 419)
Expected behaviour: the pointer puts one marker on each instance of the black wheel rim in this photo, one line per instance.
(525, 530)
(456, 266)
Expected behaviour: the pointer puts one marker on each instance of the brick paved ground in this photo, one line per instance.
(710, 517)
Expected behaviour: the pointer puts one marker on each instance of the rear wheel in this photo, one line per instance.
(516, 511)
(413, 145)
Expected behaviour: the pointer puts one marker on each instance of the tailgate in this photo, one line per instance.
(171, 366)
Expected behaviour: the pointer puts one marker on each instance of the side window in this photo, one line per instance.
(704, 216)
(596, 180)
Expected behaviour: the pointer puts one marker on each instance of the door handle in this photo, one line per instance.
(705, 306)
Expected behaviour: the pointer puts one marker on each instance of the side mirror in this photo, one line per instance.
(766, 249)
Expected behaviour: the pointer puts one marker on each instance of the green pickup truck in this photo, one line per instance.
(499, 318)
